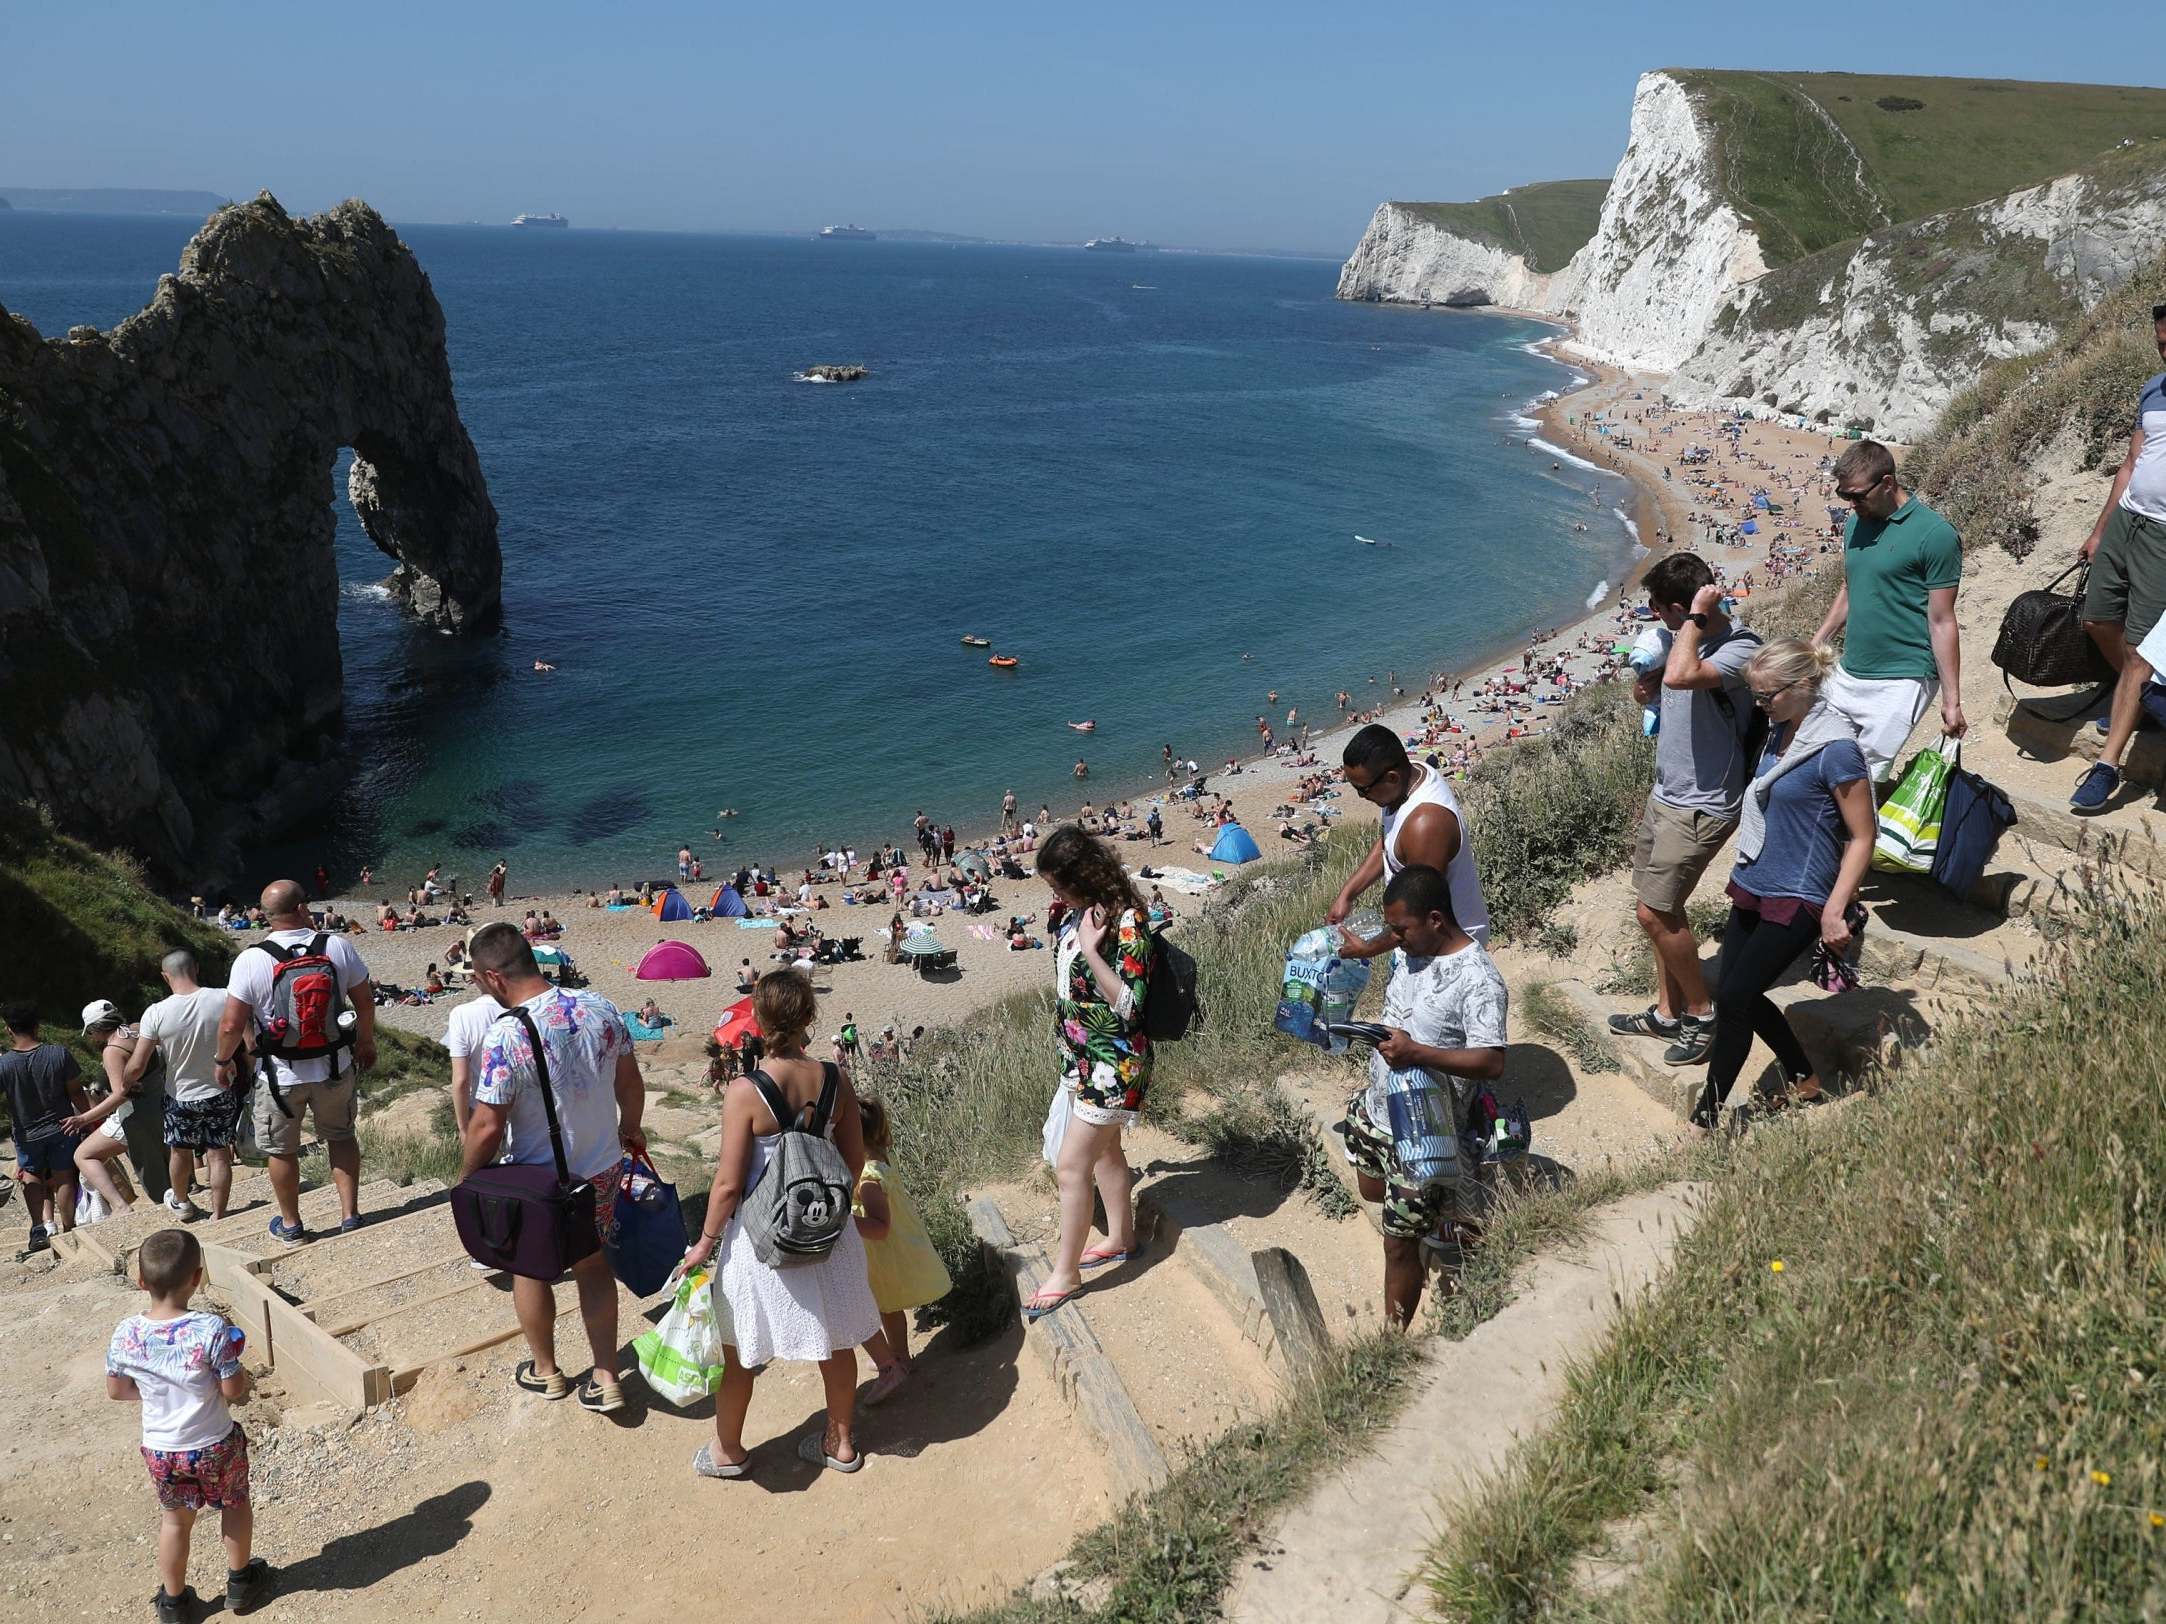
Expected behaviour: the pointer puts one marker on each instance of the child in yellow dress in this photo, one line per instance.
(900, 1261)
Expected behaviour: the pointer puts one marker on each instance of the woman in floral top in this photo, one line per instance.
(1101, 980)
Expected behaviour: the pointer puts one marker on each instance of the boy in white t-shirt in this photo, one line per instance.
(183, 1367)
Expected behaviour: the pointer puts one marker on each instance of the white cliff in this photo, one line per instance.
(1881, 334)
(1669, 250)
(1404, 258)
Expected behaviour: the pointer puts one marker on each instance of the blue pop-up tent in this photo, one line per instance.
(1749, 528)
(728, 904)
(671, 905)
(1235, 845)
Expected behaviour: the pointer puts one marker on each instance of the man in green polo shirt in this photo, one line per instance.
(1902, 563)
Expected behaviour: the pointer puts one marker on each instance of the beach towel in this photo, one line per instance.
(641, 1031)
(755, 924)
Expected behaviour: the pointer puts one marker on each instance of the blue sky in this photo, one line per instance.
(1219, 125)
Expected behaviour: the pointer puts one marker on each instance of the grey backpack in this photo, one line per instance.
(796, 1211)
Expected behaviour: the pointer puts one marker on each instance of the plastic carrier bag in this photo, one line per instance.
(681, 1358)
(1910, 818)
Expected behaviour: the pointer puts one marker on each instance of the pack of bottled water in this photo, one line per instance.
(1320, 988)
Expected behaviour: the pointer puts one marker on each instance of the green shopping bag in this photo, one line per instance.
(1910, 818)
(681, 1358)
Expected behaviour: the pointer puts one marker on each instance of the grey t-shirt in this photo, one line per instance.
(1700, 761)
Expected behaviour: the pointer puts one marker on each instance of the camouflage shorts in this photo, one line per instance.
(1410, 1210)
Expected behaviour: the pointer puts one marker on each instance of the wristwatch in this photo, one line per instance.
(1698, 619)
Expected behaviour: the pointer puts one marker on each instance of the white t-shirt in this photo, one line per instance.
(185, 1027)
(2146, 493)
(1453, 1001)
(583, 1033)
(470, 1023)
(176, 1365)
(250, 982)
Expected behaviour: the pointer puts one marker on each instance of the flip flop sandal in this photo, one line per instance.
(552, 1387)
(1037, 1309)
(1644, 1023)
(705, 1465)
(812, 1449)
(1099, 1257)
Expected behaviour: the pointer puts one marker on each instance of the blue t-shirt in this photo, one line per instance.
(1805, 835)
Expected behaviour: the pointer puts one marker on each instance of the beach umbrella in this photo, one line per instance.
(549, 953)
(736, 1021)
(971, 862)
(920, 945)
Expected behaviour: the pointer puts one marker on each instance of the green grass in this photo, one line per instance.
(403, 1157)
(1944, 1404)
(1545, 223)
(1813, 159)
(1552, 1014)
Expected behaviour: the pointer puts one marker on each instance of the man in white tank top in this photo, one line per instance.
(1422, 824)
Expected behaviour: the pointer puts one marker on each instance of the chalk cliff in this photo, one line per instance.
(169, 662)
(1876, 332)
(1405, 257)
(1882, 333)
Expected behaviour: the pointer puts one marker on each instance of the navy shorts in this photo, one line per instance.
(204, 1124)
(48, 1158)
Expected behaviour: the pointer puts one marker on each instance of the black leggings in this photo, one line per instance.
(1755, 953)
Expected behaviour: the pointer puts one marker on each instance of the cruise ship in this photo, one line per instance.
(1111, 245)
(555, 221)
(848, 234)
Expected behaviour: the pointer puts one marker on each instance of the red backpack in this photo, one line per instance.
(301, 1021)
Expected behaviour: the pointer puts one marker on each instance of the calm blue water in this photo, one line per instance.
(753, 588)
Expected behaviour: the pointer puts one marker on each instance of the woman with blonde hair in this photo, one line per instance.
(1101, 982)
(1803, 844)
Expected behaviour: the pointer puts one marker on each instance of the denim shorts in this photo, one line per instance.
(51, 1157)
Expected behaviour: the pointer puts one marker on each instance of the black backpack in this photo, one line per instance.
(1172, 1005)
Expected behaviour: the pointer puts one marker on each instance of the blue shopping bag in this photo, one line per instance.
(1971, 825)
(646, 1236)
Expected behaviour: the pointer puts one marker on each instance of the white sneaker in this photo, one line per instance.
(183, 1209)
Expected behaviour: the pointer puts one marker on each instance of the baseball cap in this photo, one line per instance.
(98, 1011)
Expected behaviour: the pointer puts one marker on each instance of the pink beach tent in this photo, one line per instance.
(672, 961)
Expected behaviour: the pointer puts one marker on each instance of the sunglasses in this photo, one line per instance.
(1769, 696)
(1855, 497)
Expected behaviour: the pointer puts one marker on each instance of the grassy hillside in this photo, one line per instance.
(1815, 158)
(80, 924)
(1545, 223)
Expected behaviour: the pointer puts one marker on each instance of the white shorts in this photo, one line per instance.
(115, 1127)
(1882, 709)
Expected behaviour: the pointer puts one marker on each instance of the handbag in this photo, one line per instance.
(647, 1229)
(528, 1220)
(1910, 818)
(2042, 641)
(1971, 826)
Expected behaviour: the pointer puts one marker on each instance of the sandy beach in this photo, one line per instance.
(1696, 504)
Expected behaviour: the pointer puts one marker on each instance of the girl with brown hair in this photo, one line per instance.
(1101, 982)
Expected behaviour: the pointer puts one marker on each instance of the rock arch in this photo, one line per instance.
(169, 668)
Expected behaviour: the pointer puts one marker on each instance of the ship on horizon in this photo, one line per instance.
(553, 221)
(848, 234)
(1118, 245)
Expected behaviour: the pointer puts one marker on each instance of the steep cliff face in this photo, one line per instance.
(1881, 334)
(169, 663)
(1405, 259)
(1670, 249)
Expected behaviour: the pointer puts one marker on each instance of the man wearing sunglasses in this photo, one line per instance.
(2126, 599)
(1902, 563)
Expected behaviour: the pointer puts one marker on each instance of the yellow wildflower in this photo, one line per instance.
(2102, 1478)
(2040, 1463)
(1775, 1267)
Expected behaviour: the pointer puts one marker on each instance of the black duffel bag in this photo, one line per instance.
(524, 1219)
(2042, 640)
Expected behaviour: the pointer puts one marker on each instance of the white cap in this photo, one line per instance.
(99, 1011)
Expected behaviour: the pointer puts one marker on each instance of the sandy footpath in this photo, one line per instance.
(1692, 505)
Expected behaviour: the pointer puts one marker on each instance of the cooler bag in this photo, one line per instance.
(527, 1220)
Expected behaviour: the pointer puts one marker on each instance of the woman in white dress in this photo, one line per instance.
(817, 1311)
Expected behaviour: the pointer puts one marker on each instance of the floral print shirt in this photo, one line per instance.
(1103, 1044)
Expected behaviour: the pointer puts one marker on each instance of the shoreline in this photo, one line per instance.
(1667, 514)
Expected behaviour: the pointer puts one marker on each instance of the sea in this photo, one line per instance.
(1167, 484)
